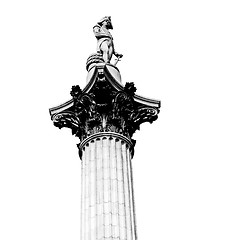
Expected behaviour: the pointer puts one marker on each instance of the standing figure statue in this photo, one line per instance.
(105, 45)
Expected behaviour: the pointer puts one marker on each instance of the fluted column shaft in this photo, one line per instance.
(107, 206)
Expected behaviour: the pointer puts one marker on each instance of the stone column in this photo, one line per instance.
(104, 116)
(107, 209)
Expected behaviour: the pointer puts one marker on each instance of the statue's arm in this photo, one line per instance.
(118, 55)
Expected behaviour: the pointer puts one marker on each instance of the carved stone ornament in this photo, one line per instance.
(104, 106)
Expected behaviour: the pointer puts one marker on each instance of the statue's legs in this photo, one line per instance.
(107, 51)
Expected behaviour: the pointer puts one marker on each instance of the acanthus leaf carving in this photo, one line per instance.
(130, 88)
(104, 109)
(68, 120)
(144, 114)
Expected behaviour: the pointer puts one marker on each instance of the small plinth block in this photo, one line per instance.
(103, 68)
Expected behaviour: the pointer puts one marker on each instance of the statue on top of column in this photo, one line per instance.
(105, 45)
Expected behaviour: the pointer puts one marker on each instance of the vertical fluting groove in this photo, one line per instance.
(110, 186)
(128, 159)
(117, 192)
(105, 188)
(110, 182)
(96, 189)
(127, 193)
(100, 190)
(82, 196)
(124, 188)
(86, 192)
(114, 193)
(132, 197)
(102, 193)
(121, 190)
(89, 193)
(130, 192)
(92, 190)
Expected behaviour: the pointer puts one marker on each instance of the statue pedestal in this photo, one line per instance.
(100, 67)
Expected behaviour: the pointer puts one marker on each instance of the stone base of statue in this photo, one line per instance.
(94, 59)
(102, 70)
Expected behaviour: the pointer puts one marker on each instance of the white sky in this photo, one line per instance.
(186, 164)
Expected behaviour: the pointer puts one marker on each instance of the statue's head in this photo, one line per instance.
(107, 21)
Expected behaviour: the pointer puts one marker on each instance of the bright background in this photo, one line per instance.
(186, 164)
